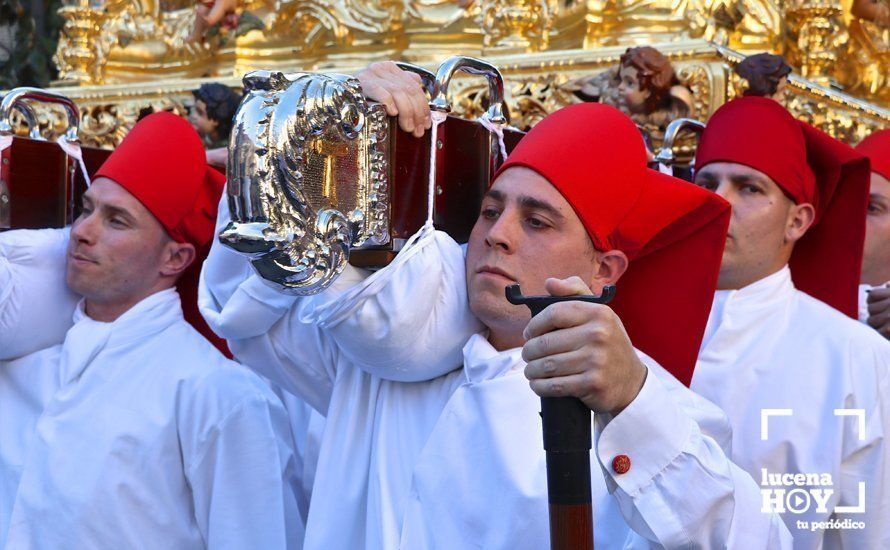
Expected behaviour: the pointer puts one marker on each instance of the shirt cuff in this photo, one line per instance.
(651, 431)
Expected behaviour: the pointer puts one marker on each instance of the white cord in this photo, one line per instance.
(438, 118)
(73, 150)
(496, 129)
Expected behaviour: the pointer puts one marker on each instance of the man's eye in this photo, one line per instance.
(875, 208)
(709, 185)
(753, 189)
(117, 222)
(537, 223)
(489, 213)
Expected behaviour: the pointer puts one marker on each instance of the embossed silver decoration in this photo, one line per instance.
(309, 167)
(308, 163)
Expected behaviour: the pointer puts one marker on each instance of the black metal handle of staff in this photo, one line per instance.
(567, 442)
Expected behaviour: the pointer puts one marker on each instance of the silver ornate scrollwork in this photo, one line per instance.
(308, 170)
(288, 213)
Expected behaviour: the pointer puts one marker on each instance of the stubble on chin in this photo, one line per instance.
(491, 307)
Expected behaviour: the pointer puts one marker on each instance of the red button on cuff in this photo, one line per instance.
(621, 464)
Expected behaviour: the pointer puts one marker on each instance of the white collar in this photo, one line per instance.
(736, 308)
(483, 362)
(88, 337)
(759, 294)
(152, 314)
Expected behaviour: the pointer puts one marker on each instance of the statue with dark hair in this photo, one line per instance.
(215, 106)
(767, 75)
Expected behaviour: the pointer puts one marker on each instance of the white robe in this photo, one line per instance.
(769, 346)
(350, 323)
(138, 434)
(457, 461)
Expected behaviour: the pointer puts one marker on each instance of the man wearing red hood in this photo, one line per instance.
(130, 429)
(456, 460)
(806, 388)
(874, 290)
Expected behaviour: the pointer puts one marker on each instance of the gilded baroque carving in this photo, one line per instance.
(120, 41)
(816, 37)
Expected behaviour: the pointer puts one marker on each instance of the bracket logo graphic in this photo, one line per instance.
(802, 492)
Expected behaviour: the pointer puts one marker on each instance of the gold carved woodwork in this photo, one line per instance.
(536, 84)
(119, 56)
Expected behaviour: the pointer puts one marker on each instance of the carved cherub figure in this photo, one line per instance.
(643, 85)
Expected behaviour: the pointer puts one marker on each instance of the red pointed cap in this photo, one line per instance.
(672, 232)
(162, 163)
(810, 167)
(877, 148)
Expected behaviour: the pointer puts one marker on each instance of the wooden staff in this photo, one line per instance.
(567, 442)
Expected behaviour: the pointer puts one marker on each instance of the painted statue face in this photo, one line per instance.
(781, 87)
(876, 256)
(526, 232)
(629, 87)
(198, 117)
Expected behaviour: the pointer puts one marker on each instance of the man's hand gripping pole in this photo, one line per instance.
(567, 442)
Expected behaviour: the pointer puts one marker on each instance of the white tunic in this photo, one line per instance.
(457, 461)
(139, 434)
(769, 346)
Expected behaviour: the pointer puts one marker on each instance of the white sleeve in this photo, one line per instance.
(263, 330)
(36, 306)
(409, 321)
(244, 480)
(262, 325)
(406, 322)
(865, 464)
(681, 490)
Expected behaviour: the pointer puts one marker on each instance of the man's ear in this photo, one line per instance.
(611, 266)
(800, 218)
(177, 258)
